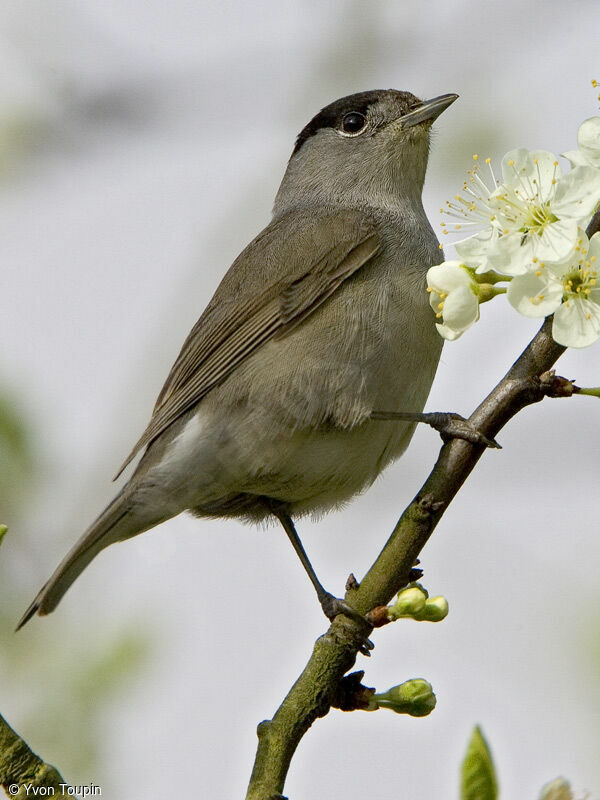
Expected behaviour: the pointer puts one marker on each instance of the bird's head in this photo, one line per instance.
(365, 150)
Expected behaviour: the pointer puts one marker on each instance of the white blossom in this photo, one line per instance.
(453, 297)
(588, 140)
(476, 250)
(538, 211)
(569, 289)
(532, 215)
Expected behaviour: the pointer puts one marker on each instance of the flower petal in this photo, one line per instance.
(513, 163)
(535, 295)
(475, 250)
(543, 170)
(461, 309)
(448, 276)
(588, 139)
(447, 333)
(576, 158)
(557, 242)
(577, 194)
(594, 250)
(533, 173)
(577, 323)
(512, 254)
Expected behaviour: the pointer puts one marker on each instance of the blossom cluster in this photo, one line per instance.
(528, 233)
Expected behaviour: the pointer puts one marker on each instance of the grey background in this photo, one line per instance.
(131, 132)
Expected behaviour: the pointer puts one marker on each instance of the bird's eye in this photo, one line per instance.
(354, 122)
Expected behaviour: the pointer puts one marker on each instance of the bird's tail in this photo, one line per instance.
(120, 520)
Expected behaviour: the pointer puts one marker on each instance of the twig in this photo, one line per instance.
(22, 771)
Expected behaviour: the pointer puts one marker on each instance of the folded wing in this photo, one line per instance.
(292, 267)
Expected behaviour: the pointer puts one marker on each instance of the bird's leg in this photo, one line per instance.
(449, 425)
(332, 606)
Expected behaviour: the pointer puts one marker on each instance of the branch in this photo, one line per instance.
(20, 767)
(314, 693)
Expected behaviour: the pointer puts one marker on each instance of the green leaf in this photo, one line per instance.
(478, 777)
(3, 530)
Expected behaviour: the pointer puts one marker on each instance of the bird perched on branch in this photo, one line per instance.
(274, 405)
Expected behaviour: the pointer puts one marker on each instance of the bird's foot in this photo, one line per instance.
(334, 606)
(454, 426)
(448, 424)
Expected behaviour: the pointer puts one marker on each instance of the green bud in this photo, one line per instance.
(558, 789)
(414, 697)
(410, 602)
(414, 602)
(436, 609)
(3, 530)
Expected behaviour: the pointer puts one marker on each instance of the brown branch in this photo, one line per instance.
(316, 690)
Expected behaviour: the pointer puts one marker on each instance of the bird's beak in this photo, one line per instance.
(427, 111)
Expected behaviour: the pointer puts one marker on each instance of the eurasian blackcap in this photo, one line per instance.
(321, 321)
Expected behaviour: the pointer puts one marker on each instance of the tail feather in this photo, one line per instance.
(118, 521)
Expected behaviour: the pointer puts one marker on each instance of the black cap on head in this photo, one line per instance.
(332, 115)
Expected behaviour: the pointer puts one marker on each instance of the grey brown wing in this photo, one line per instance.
(292, 267)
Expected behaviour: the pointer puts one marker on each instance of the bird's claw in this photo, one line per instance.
(334, 606)
(454, 426)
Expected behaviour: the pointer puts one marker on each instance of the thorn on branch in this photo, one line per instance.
(351, 583)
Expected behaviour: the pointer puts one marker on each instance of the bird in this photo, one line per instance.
(270, 411)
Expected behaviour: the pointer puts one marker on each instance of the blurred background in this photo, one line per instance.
(131, 135)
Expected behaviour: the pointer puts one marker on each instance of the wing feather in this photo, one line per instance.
(229, 330)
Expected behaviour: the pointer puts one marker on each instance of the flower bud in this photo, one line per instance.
(410, 602)
(436, 609)
(414, 602)
(558, 789)
(414, 697)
